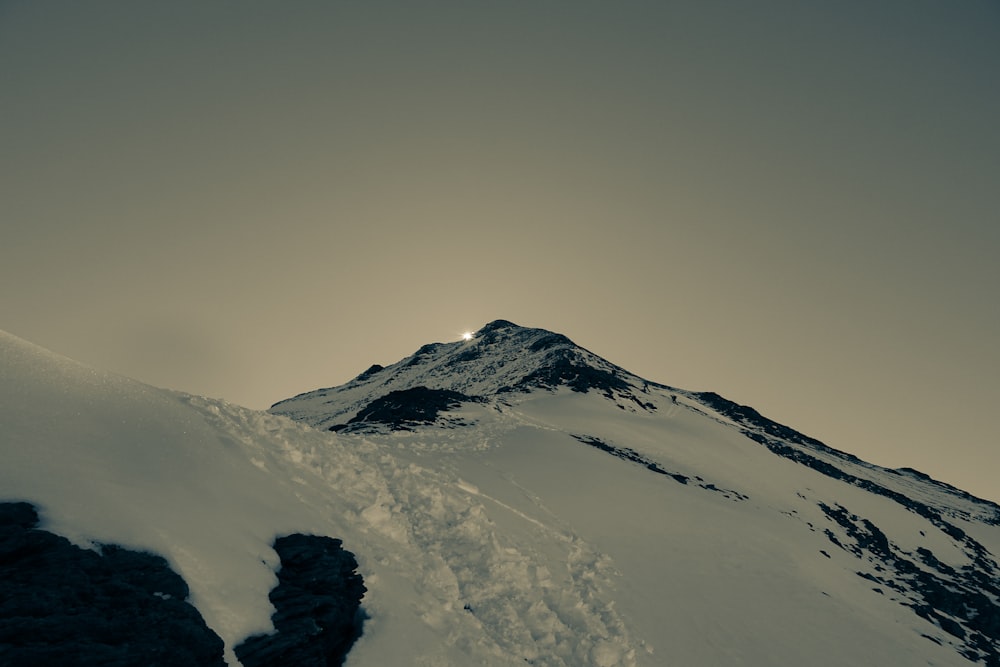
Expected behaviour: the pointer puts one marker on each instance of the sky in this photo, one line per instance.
(793, 204)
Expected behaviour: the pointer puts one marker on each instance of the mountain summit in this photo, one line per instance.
(500, 360)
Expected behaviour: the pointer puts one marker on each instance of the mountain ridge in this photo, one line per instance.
(550, 360)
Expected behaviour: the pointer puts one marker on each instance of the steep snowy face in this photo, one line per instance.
(501, 359)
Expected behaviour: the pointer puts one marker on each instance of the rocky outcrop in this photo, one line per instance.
(959, 601)
(63, 605)
(317, 601)
(399, 410)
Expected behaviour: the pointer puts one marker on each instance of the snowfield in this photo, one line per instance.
(209, 485)
(546, 526)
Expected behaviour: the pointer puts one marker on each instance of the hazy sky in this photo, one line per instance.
(794, 204)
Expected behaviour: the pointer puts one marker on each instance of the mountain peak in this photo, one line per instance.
(499, 324)
(500, 359)
(499, 331)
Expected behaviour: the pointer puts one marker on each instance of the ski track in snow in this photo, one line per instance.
(473, 579)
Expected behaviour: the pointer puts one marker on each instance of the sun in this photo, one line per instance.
(467, 335)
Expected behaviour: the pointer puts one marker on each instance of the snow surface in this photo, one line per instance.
(509, 542)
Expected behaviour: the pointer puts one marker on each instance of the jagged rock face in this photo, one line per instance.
(63, 605)
(317, 600)
(501, 359)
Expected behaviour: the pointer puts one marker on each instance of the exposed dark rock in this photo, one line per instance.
(549, 341)
(956, 601)
(500, 330)
(778, 438)
(372, 370)
(63, 605)
(948, 488)
(18, 515)
(470, 353)
(420, 356)
(867, 536)
(985, 571)
(498, 325)
(746, 415)
(563, 368)
(401, 409)
(317, 600)
(633, 456)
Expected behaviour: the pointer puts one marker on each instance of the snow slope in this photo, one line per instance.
(567, 513)
(209, 485)
(736, 540)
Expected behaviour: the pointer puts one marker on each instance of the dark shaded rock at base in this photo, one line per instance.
(72, 607)
(402, 408)
(317, 601)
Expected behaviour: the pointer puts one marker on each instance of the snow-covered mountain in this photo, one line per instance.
(512, 499)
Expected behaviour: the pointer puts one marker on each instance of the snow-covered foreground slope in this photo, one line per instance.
(209, 485)
(557, 511)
